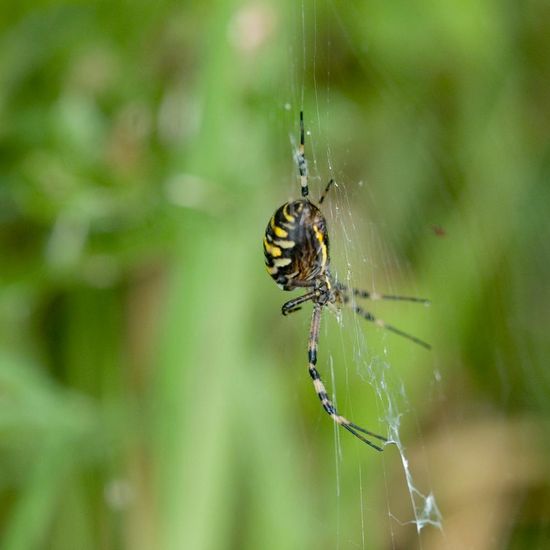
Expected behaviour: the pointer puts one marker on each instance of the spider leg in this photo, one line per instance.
(301, 158)
(292, 305)
(325, 192)
(380, 323)
(321, 390)
(359, 293)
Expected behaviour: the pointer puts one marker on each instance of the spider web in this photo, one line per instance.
(359, 258)
(356, 261)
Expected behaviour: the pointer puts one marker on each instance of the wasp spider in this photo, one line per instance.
(296, 248)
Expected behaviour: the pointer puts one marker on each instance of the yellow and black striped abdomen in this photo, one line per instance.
(296, 245)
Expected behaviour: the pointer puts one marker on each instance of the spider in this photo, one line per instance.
(296, 249)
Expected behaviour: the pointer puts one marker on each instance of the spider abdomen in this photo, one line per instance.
(296, 245)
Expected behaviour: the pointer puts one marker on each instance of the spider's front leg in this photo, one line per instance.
(321, 391)
(294, 305)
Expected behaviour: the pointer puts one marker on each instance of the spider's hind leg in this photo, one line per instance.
(325, 192)
(301, 158)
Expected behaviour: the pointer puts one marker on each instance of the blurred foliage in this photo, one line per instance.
(151, 396)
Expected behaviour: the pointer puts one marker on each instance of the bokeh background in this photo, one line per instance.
(151, 394)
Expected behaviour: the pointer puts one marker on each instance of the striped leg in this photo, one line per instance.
(325, 192)
(382, 324)
(344, 293)
(320, 387)
(302, 164)
(301, 158)
(293, 305)
(376, 296)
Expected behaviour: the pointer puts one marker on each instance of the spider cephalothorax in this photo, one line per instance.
(296, 250)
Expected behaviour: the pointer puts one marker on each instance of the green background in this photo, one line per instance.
(151, 394)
